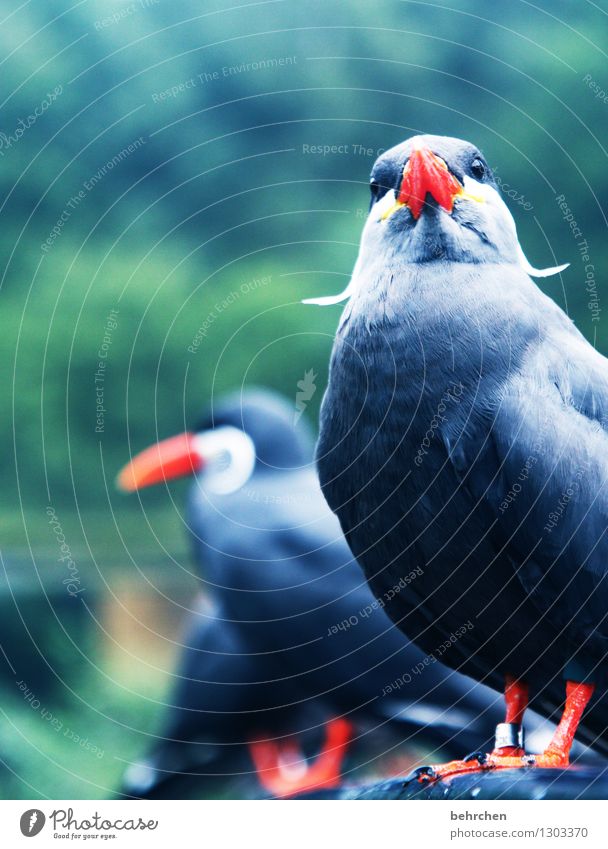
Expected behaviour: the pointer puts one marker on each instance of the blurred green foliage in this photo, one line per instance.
(159, 248)
(220, 191)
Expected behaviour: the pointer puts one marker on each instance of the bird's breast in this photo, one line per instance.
(398, 386)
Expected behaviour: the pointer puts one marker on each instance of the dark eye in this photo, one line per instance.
(377, 190)
(478, 168)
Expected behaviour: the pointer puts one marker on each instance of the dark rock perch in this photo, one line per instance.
(572, 783)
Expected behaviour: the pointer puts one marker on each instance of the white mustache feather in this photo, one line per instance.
(538, 272)
(327, 300)
(522, 261)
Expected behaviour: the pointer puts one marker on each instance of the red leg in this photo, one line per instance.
(516, 702)
(557, 752)
(283, 770)
(516, 699)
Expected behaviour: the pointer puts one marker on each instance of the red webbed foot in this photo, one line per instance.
(283, 770)
(508, 752)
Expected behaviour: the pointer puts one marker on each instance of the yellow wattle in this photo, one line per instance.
(397, 205)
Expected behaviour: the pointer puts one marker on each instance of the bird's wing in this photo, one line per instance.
(538, 457)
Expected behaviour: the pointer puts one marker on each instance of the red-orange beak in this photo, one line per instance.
(175, 457)
(426, 173)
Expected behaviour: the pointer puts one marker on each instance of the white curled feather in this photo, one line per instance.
(538, 272)
(327, 300)
(522, 261)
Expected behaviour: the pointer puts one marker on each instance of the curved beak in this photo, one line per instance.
(426, 173)
(175, 457)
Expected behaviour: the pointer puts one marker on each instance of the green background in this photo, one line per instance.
(221, 190)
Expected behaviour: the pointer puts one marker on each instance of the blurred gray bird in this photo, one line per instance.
(464, 431)
(275, 681)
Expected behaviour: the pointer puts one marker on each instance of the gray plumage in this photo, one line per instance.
(465, 430)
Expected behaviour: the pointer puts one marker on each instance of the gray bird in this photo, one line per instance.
(464, 432)
(294, 648)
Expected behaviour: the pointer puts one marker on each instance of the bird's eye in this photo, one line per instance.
(478, 168)
(377, 190)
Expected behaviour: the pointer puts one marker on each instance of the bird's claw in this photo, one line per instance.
(422, 774)
(481, 762)
(480, 757)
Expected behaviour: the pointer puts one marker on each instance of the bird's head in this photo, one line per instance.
(435, 198)
(245, 432)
